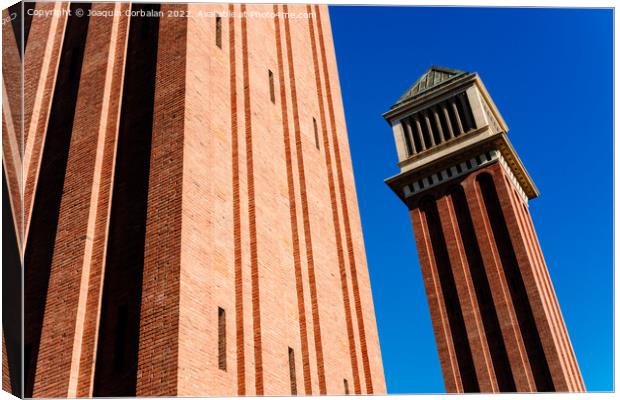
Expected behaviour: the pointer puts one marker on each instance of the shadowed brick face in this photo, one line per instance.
(190, 216)
(497, 323)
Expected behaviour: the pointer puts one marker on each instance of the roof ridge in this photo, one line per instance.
(434, 76)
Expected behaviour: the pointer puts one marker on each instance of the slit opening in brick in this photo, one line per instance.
(316, 133)
(272, 89)
(221, 339)
(291, 370)
(218, 31)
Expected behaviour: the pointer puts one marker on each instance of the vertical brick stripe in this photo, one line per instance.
(6, 380)
(37, 61)
(47, 77)
(12, 121)
(537, 265)
(491, 323)
(258, 347)
(12, 80)
(556, 307)
(466, 295)
(549, 294)
(454, 311)
(516, 283)
(11, 165)
(234, 131)
(334, 207)
(532, 256)
(120, 311)
(502, 298)
(443, 336)
(45, 371)
(345, 211)
(102, 202)
(159, 320)
(65, 307)
(306, 217)
(301, 307)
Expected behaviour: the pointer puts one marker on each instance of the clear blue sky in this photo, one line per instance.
(550, 72)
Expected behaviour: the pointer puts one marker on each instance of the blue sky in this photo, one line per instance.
(550, 72)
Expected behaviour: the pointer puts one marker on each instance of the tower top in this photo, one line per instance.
(432, 79)
(445, 126)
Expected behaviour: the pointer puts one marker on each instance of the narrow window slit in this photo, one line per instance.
(221, 338)
(218, 31)
(291, 369)
(316, 133)
(272, 91)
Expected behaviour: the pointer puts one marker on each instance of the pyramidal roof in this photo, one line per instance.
(432, 78)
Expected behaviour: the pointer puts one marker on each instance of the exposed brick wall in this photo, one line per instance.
(40, 68)
(12, 80)
(61, 336)
(6, 379)
(320, 80)
(349, 194)
(98, 223)
(159, 318)
(532, 330)
(244, 212)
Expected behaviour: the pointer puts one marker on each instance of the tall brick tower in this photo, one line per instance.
(497, 322)
(191, 226)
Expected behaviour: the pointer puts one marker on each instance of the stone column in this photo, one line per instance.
(446, 115)
(409, 132)
(429, 128)
(438, 123)
(457, 116)
(419, 131)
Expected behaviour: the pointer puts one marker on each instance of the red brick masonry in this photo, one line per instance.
(238, 202)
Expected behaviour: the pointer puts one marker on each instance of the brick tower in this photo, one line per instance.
(190, 217)
(497, 322)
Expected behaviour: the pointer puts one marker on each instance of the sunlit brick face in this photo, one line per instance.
(193, 221)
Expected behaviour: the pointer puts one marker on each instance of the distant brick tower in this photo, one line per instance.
(497, 322)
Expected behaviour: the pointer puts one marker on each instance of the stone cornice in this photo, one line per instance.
(496, 142)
